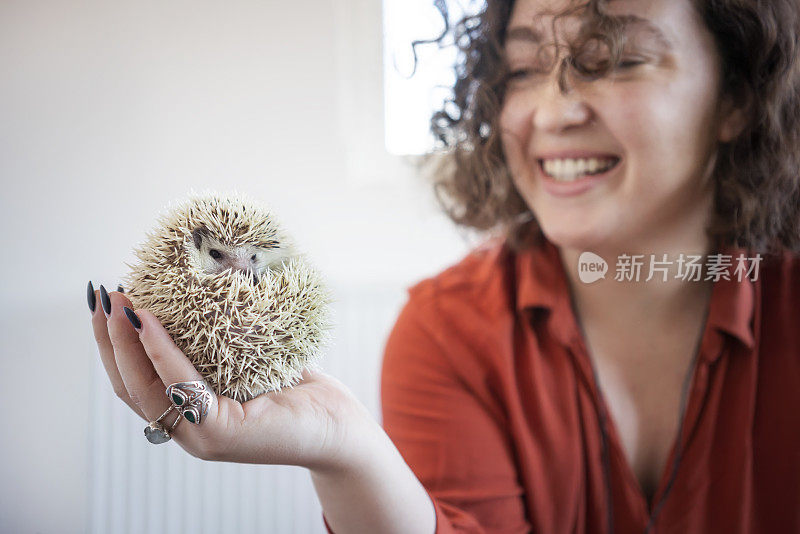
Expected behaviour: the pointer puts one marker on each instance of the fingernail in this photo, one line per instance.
(90, 297)
(105, 300)
(132, 317)
(120, 289)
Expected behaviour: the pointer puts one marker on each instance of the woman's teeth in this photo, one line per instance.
(567, 170)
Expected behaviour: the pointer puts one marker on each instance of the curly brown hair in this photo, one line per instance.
(756, 175)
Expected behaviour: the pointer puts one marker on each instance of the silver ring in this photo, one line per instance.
(157, 433)
(191, 399)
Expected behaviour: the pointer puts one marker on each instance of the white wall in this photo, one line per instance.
(110, 109)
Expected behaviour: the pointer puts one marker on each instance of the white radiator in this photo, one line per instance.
(142, 488)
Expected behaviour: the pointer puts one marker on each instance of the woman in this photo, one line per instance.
(517, 396)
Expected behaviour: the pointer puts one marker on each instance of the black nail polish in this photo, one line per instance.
(105, 301)
(120, 289)
(137, 324)
(90, 297)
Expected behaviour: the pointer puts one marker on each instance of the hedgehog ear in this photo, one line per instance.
(197, 237)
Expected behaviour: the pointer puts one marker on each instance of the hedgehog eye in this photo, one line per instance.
(216, 254)
(253, 257)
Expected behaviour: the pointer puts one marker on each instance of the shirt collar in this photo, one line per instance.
(541, 280)
(542, 284)
(733, 301)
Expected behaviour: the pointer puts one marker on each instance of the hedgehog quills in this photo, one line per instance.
(247, 331)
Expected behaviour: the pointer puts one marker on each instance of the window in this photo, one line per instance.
(410, 100)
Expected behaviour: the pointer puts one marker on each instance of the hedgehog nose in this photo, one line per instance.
(239, 265)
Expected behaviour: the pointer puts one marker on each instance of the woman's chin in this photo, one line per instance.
(583, 237)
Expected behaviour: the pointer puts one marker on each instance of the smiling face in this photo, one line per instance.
(621, 160)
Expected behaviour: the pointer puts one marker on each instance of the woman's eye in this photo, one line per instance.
(216, 254)
(526, 73)
(630, 63)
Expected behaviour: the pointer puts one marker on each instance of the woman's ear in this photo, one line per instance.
(733, 119)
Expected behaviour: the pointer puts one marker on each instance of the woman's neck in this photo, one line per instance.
(650, 305)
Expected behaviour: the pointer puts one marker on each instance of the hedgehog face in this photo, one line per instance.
(211, 255)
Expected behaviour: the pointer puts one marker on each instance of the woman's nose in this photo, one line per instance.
(558, 109)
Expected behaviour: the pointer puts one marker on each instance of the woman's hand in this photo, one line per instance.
(317, 424)
(361, 479)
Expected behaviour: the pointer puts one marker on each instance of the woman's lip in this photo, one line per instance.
(576, 154)
(575, 187)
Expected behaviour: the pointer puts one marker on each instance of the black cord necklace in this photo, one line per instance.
(602, 415)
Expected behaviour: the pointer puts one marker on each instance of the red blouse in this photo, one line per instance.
(489, 395)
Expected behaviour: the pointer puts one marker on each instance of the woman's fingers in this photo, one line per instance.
(106, 349)
(141, 360)
(172, 366)
(141, 381)
(169, 361)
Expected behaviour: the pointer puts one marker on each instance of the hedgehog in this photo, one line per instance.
(227, 283)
